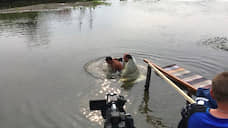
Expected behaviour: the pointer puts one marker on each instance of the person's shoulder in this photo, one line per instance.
(189, 111)
(197, 116)
(206, 120)
(197, 120)
(198, 112)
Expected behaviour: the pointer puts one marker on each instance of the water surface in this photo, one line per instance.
(48, 60)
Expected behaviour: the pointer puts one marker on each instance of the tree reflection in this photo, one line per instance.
(35, 27)
(82, 11)
(83, 14)
(91, 18)
(27, 24)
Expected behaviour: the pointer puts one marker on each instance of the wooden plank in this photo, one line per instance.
(185, 74)
(197, 81)
(186, 78)
(176, 70)
(189, 86)
(191, 78)
(180, 91)
(203, 84)
(171, 68)
(182, 73)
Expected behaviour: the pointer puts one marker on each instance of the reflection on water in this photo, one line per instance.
(127, 85)
(91, 18)
(26, 24)
(82, 13)
(106, 86)
(145, 109)
(93, 116)
(37, 27)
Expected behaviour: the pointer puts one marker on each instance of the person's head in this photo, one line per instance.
(127, 57)
(219, 90)
(108, 59)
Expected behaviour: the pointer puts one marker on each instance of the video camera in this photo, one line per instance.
(113, 112)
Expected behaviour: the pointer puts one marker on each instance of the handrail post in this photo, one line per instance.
(148, 76)
(189, 99)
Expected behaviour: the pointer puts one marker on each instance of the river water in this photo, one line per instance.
(51, 62)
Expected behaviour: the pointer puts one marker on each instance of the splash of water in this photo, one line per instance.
(98, 69)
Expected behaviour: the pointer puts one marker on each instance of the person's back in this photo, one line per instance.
(213, 118)
(116, 65)
(206, 120)
(113, 64)
(129, 68)
(130, 71)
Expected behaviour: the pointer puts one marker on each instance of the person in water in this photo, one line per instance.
(130, 70)
(218, 117)
(114, 65)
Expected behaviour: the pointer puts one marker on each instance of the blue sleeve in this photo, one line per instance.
(193, 121)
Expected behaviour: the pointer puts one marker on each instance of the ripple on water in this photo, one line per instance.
(98, 68)
(217, 43)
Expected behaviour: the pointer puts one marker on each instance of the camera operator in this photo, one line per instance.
(198, 116)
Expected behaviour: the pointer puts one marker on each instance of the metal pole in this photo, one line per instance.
(148, 75)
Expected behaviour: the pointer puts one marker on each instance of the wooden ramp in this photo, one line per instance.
(183, 76)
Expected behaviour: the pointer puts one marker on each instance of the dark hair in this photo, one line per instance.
(108, 58)
(220, 87)
(128, 56)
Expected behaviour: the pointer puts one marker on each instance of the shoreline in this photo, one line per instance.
(50, 7)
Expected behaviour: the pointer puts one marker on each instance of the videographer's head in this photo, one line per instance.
(220, 87)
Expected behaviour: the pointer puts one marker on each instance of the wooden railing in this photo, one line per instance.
(147, 85)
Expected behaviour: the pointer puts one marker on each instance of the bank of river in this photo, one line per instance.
(51, 7)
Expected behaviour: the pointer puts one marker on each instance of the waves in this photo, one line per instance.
(220, 43)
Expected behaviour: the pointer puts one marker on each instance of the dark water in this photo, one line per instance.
(51, 62)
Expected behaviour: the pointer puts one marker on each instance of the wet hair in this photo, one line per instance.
(128, 56)
(220, 87)
(108, 58)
